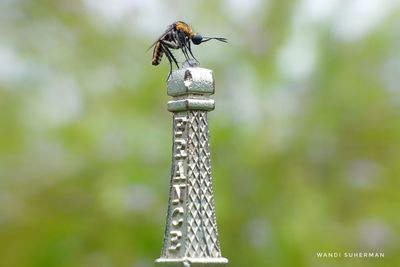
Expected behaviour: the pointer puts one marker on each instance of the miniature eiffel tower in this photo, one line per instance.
(191, 236)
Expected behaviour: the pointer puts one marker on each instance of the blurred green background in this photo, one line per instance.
(305, 137)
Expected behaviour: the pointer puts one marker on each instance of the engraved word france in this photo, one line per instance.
(178, 183)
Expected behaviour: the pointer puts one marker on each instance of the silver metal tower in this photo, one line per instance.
(191, 236)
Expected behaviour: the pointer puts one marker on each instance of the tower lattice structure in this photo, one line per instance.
(191, 235)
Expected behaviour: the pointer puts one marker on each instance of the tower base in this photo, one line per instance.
(191, 262)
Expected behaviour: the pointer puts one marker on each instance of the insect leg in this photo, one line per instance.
(170, 44)
(182, 41)
(166, 45)
(190, 51)
(171, 58)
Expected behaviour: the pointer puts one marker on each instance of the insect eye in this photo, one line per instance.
(197, 38)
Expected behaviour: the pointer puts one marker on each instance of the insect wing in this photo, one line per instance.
(168, 30)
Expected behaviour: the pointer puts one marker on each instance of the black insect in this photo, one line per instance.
(178, 36)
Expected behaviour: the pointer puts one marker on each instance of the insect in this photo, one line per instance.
(178, 35)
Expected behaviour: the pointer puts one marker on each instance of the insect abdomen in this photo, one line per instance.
(157, 54)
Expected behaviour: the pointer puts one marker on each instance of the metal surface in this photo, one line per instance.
(191, 236)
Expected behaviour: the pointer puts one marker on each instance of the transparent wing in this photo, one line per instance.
(168, 30)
